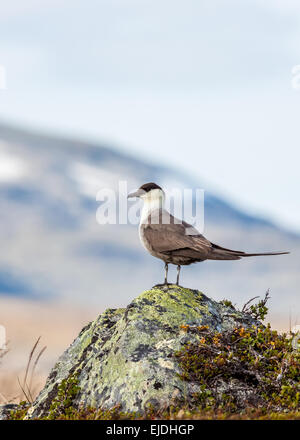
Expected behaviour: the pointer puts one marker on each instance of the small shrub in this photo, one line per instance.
(62, 404)
(20, 412)
(257, 311)
(258, 359)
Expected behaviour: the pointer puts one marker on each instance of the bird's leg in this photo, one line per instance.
(166, 278)
(166, 273)
(178, 273)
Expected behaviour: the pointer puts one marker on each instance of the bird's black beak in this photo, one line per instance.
(137, 193)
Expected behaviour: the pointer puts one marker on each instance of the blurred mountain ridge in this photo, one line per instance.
(53, 248)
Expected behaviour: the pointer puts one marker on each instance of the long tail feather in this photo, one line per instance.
(220, 253)
(264, 253)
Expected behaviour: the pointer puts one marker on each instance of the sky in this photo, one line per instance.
(205, 86)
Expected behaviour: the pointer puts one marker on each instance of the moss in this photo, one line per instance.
(227, 303)
(20, 412)
(62, 404)
(173, 413)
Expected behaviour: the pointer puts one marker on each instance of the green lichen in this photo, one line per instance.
(180, 304)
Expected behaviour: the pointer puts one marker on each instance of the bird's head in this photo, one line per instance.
(149, 192)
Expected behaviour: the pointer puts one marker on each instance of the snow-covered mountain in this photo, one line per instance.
(52, 248)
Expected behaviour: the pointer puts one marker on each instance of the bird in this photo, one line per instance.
(173, 240)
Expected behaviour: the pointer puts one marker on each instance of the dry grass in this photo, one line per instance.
(27, 386)
(58, 324)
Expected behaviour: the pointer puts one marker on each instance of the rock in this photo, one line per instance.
(126, 356)
(5, 410)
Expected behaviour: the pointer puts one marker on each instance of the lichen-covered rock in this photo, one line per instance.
(126, 356)
(5, 410)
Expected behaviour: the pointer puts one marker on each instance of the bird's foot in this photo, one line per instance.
(162, 285)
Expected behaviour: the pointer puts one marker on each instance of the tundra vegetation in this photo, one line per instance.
(244, 372)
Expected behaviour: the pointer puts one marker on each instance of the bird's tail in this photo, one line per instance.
(220, 253)
(264, 253)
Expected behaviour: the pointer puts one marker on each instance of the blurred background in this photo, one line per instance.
(197, 94)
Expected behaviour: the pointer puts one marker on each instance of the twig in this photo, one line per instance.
(248, 302)
(35, 364)
(24, 392)
(27, 387)
(267, 297)
(30, 394)
(29, 361)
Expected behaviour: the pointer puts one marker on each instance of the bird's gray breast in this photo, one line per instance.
(145, 242)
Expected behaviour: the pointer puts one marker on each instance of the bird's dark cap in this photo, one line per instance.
(149, 186)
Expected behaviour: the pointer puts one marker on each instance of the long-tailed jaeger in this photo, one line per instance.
(174, 241)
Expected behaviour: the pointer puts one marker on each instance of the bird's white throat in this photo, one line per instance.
(152, 201)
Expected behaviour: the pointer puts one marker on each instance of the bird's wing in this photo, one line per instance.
(170, 235)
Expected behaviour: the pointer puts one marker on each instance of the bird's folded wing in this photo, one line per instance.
(172, 238)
